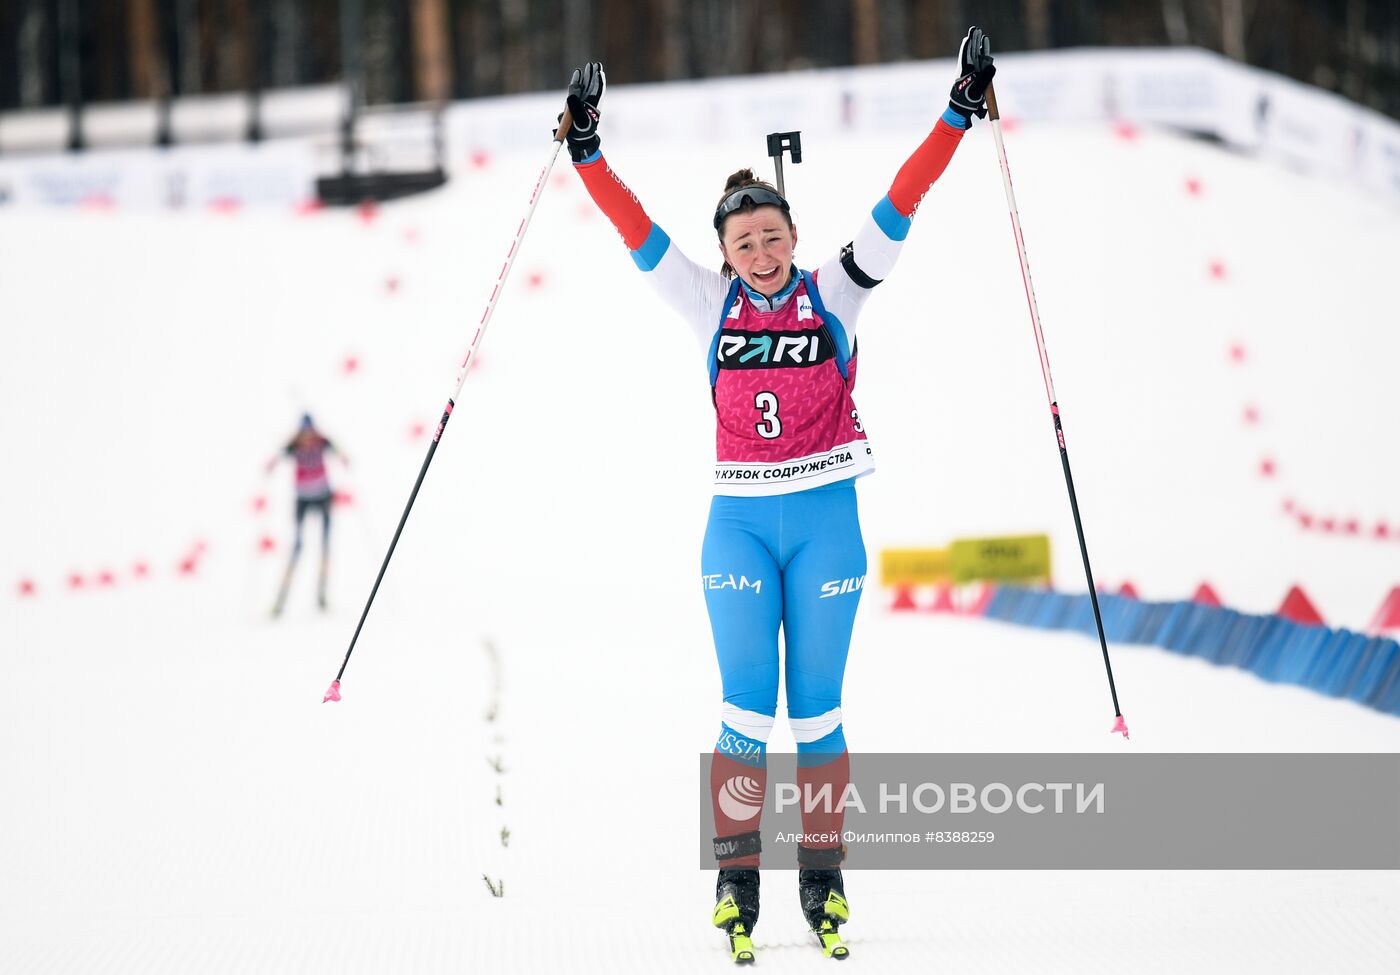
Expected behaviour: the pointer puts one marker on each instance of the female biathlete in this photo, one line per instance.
(308, 448)
(783, 546)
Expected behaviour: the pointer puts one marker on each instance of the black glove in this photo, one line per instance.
(585, 91)
(975, 69)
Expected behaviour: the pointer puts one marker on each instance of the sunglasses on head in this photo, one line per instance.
(745, 195)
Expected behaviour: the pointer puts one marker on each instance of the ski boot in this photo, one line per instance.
(736, 910)
(823, 897)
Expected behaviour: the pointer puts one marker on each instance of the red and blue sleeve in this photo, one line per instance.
(918, 174)
(647, 241)
(846, 280)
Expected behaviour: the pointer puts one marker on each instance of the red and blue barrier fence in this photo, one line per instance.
(1339, 663)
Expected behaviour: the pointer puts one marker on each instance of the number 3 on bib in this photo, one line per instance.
(771, 428)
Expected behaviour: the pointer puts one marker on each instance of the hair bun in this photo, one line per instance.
(742, 178)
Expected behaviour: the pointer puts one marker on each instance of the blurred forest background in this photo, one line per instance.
(73, 52)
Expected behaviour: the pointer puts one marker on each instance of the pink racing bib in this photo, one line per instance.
(784, 417)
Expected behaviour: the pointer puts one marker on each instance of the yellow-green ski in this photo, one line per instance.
(740, 945)
(832, 945)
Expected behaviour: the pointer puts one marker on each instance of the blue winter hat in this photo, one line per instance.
(306, 422)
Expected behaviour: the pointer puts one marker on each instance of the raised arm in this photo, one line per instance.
(847, 279)
(696, 293)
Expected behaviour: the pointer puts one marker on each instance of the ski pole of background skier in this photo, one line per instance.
(565, 122)
(994, 116)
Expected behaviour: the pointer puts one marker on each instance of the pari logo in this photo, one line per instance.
(741, 798)
(839, 587)
(720, 580)
(738, 349)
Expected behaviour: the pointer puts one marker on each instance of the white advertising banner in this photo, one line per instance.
(1181, 88)
(279, 173)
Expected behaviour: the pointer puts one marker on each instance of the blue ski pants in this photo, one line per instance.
(794, 562)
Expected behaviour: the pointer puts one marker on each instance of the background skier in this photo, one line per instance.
(308, 449)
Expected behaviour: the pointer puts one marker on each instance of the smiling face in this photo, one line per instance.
(758, 245)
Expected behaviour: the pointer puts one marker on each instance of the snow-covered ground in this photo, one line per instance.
(177, 799)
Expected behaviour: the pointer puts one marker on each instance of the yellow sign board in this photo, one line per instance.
(1021, 558)
(913, 566)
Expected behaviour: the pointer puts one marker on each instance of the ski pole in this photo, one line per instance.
(333, 692)
(994, 117)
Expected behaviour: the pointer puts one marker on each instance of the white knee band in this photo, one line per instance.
(806, 730)
(750, 724)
